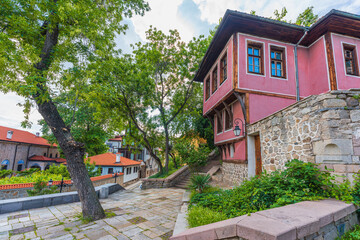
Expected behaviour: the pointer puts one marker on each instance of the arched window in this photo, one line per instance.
(5, 164)
(55, 155)
(50, 155)
(20, 165)
(44, 154)
(36, 166)
(47, 167)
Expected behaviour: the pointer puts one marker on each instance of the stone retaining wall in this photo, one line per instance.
(234, 173)
(321, 129)
(325, 219)
(97, 181)
(166, 182)
(26, 203)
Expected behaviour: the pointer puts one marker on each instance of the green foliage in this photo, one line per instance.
(41, 188)
(38, 176)
(59, 170)
(351, 235)
(91, 169)
(198, 216)
(199, 182)
(280, 15)
(298, 182)
(307, 17)
(203, 128)
(5, 173)
(165, 174)
(27, 172)
(356, 96)
(193, 156)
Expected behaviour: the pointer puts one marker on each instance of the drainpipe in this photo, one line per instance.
(297, 67)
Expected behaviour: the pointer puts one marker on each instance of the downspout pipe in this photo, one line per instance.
(297, 65)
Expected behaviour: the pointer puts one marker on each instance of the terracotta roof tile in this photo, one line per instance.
(108, 159)
(22, 137)
(43, 158)
(116, 138)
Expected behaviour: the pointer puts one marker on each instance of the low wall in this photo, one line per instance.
(234, 173)
(19, 204)
(325, 219)
(11, 191)
(170, 181)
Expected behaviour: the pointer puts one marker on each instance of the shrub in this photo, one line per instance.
(192, 156)
(298, 182)
(27, 172)
(198, 216)
(5, 173)
(199, 182)
(41, 188)
(352, 235)
(59, 170)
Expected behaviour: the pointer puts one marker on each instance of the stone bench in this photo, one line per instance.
(26, 203)
(310, 220)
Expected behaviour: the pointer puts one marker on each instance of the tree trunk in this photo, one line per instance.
(157, 159)
(74, 153)
(174, 160)
(166, 148)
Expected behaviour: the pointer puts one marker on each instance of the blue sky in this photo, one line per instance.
(191, 18)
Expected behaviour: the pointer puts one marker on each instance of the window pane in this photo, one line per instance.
(250, 50)
(348, 53)
(251, 69)
(279, 73)
(278, 55)
(250, 60)
(273, 72)
(256, 61)
(272, 55)
(272, 65)
(278, 66)
(256, 52)
(257, 69)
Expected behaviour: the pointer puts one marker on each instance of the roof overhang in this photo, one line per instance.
(239, 22)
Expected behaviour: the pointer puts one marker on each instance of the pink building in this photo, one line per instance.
(256, 66)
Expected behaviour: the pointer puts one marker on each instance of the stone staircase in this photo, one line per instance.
(184, 182)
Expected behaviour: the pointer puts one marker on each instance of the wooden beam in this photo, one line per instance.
(235, 60)
(227, 108)
(265, 93)
(218, 115)
(231, 141)
(331, 63)
(242, 103)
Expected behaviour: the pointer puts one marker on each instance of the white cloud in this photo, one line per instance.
(164, 16)
(213, 10)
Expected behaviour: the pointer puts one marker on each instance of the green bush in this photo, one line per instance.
(352, 235)
(298, 182)
(27, 172)
(198, 216)
(5, 173)
(193, 156)
(199, 182)
(41, 188)
(59, 170)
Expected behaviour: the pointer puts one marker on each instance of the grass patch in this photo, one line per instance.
(67, 229)
(199, 216)
(351, 235)
(84, 220)
(109, 214)
(164, 174)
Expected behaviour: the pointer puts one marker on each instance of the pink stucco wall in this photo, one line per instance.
(227, 85)
(313, 69)
(344, 81)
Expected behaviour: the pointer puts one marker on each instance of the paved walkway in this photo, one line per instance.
(140, 214)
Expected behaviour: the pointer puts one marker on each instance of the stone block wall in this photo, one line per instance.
(234, 173)
(322, 129)
(166, 182)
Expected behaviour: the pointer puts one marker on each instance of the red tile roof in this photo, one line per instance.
(116, 138)
(43, 158)
(22, 137)
(108, 159)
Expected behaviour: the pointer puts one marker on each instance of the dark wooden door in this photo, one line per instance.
(258, 164)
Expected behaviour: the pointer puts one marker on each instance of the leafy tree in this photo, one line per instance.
(280, 15)
(152, 87)
(39, 39)
(80, 116)
(5, 173)
(307, 17)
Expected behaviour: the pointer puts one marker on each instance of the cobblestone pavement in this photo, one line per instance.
(140, 214)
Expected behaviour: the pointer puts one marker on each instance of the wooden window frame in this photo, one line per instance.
(352, 48)
(227, 128)
(223, 68)
(259, 46)
(282, 51)
(207, 88)
(214, 81)
(218, 119)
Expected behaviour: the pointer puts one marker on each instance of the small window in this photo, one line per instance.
(277, 58)
(350, 60)
(228, 119)
(214, 80)
(111, 170)
(56, 155)
(44, 154)
(223, 68)
(219, 123)
(207, 88)
(255, 58)
(50, 155)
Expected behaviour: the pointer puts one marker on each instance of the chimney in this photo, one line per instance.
(9, 134)
(117, 158)
(37, 134)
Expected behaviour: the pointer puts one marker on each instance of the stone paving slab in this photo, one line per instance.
(140, 214)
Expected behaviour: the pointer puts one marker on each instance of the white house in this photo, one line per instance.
(112, 163)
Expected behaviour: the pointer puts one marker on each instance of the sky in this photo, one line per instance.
(191, 18)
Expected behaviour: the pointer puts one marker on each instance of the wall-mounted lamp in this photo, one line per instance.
(237, 128)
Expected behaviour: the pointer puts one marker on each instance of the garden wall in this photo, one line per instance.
(322, 129)
(325, 219)
(167, 182)
(11, 191)
(234, 173)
